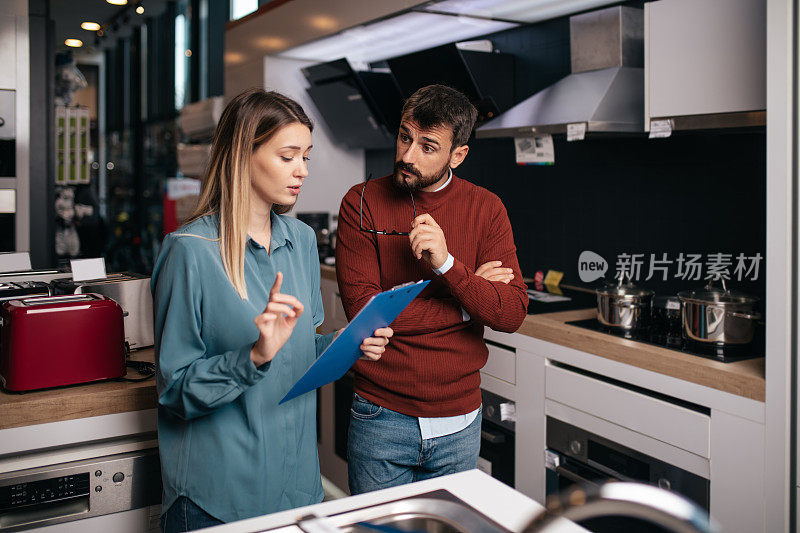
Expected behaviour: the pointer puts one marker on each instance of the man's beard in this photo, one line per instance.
(419, 181)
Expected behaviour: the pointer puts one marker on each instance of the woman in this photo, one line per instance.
(237, 300)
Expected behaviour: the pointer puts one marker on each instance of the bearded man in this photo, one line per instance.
(416, 412)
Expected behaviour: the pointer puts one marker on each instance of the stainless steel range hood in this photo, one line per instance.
(605, 90)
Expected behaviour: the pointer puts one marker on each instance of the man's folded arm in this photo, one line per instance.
(497, 305)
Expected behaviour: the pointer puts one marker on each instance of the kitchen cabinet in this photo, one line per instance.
(704, 58)
(712, 434)
(8, 52)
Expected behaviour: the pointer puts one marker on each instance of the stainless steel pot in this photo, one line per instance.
(715, 315)
(623, 305)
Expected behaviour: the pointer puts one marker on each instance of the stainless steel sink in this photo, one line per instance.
(419, 514)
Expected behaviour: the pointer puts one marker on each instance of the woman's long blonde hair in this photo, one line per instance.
(248, 121)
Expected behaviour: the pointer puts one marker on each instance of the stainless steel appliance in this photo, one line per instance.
(77, 490)
(131, 291)
(10, 290)
(45, 275)
(718, 315)
(496, 456)
(576, 456)
(605, 90)
(623, 305)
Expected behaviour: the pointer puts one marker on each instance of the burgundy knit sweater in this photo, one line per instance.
(431, 365)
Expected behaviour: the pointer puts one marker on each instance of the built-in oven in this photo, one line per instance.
(576, 456)
(497, 437)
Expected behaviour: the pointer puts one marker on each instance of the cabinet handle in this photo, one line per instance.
(574, 476)
(491, 437)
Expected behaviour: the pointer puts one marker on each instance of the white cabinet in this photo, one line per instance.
(657, 418)
(8, 52)
(703, 58)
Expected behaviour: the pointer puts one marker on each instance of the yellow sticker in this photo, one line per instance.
(553, 278)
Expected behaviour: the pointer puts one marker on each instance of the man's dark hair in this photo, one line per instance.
(440, 105)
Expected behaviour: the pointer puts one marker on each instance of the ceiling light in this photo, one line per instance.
(140, 9)
(74, 43)
(117, 2)
(396, 36)
(234, 58)
(323, 22)
(90, 26)
(516, 10)
(271, 43)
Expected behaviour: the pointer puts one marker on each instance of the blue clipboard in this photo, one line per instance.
(344, 351)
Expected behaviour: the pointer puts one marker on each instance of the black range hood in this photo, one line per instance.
(362, 109)
(486, 78)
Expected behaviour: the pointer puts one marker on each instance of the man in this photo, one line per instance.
(416, 411)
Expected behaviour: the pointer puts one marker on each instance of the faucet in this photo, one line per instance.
(636, 500)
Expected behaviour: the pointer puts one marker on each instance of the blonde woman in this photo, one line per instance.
(237, 300)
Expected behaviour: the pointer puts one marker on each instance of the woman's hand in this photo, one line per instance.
(373, 347)
(492, 271)
(275, 324)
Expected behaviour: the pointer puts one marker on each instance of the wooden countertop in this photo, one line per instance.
(79, 401)
(328, 272)
(743, 378)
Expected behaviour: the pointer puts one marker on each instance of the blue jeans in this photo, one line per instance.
(185, 515)
(385, 449)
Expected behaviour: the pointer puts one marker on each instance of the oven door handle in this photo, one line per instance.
(574, 476)
(491, 437)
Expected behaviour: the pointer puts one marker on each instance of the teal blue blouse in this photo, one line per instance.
(224, 441)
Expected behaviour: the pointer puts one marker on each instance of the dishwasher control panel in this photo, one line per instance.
(79, 489)
(44, 491)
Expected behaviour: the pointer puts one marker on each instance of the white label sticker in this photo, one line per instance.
(535, 150)
(182, 187)
(508, 412)
(576, 131)
(83, 269)
(14, 261)
(660, 129)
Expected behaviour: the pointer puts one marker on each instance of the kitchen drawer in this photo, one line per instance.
(657, 417)
(502, 362)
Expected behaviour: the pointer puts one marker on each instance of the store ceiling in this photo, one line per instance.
(296, 22)
(69, 14)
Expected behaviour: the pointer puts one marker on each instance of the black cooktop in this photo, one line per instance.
(659, 336)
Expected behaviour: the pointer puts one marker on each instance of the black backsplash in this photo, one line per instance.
(694, 193)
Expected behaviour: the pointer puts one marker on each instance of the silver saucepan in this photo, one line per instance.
(718, 315)
(623, 305)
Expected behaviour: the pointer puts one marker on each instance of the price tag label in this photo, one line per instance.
(14, 261)
(660, 129)
(84, 269)
(576, 131)
(534, 150)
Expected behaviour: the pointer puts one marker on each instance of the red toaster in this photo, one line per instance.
(50, 341)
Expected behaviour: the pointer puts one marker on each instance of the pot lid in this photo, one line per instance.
(717, 295)
(622, 289)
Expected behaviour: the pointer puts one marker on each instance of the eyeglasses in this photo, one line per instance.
(382, 231)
